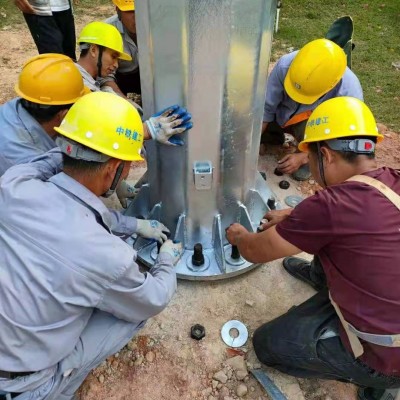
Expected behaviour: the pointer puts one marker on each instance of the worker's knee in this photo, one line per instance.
(265, 343)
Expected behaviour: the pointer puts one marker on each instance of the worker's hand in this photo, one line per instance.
(24, 6)
(175, 250)
(292, 162)
(152, 229)
(125, 191)
(273, 217)
(167, 124)
(234, 232)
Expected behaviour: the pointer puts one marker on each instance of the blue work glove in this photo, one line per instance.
(167, 124)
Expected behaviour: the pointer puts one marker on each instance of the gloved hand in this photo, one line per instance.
(165, 125)
(173, 249)
(152, 229)
(125, 191)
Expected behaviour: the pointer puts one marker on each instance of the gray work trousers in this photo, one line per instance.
(103, 336)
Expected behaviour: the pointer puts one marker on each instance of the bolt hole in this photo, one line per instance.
(234, 333)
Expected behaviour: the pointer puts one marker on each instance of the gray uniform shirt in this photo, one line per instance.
(22, 138)
(88, 79)
(280, 107)
(124, 66)
(59, 261)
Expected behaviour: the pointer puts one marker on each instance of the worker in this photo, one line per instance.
(47, 87)
(298, 83)
(102, 49)
(65, 278)
(352, 229)
(126, 78)
(51, 23)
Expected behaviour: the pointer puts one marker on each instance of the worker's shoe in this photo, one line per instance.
(303, 173)
(370, 394)
(303, 270)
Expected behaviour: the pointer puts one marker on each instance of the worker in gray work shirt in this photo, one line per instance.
(65, 278)
(127, 76)
(48, 85)
(299, 82)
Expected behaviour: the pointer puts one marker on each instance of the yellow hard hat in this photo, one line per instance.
(105, 35)
(50, 79)
(125, 5)
(338, 118)
(106, 123)
(316, 69)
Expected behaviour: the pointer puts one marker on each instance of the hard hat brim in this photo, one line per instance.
(127, 8)
(93, 146)
(50, 102)
(125, 57)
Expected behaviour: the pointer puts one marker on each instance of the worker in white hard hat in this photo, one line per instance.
(349, 330)
(71, 292)
(298, 83)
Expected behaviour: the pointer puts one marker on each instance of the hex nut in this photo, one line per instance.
(197, 332)
(277, 172)
(284, 185)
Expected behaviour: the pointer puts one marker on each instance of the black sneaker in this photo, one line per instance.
(370, 394)
(301, 269)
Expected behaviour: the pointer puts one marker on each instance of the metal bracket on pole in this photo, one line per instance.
(219, 244)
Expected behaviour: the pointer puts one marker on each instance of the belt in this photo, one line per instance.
(13, 375)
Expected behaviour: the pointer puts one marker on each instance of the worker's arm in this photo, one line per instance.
(134, 296)
(274, 93)
(113, 85)
(42, 167)
(122, 225)
(260, 247)
(24, 6)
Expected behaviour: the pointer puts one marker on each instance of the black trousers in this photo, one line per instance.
(53, 34)
(129, 83)
(304, 342)
(275, 134)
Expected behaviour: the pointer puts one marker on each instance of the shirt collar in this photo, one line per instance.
(32, 126)
(84, 195)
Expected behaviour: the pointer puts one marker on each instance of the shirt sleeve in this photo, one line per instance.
(108, 78)
(136, 296)
(309, 226)
(42, 167)
(274, 92)
(350, 85)
(121, 224)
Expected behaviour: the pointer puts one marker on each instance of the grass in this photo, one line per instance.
(377, 40)
(376, 37)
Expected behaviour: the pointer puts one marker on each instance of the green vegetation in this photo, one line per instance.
(376, 37)
(377, 40)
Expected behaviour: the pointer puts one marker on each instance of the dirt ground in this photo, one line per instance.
(163, 362)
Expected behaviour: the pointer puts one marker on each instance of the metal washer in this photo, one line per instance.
(293, 200)
(231, 341)
(230, 260)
